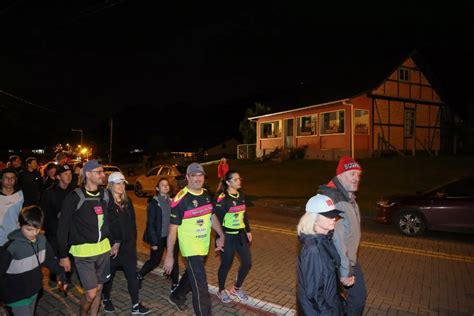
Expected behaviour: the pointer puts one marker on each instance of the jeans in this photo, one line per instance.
(356, 293)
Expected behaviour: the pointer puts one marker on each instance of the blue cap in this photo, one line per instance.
(195, 168)
(90, 165)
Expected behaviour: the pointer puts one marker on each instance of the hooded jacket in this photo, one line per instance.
(347, 232)
(318, 279)
(21, 275)
(10, 207)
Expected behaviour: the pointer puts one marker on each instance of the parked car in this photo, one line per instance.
(146, 184)
(108, 171)
(448, 207)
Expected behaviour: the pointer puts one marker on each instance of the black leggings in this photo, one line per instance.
(128, 263)
(234, 243)
(155, 259)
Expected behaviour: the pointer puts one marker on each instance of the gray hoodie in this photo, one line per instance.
(347, 231)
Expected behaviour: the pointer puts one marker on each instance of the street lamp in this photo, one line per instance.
(77, 130)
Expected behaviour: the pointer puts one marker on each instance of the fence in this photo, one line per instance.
(246, 151)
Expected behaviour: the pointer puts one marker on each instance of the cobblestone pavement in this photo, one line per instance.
(432, 275)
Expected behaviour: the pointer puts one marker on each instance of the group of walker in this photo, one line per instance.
(97, 228)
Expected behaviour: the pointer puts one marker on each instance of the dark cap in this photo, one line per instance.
(62, 168)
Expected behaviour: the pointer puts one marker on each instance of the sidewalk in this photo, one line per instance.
(154, 294)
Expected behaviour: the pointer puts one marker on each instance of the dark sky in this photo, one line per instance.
(166, 69)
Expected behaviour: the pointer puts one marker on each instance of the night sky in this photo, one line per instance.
(163, 70)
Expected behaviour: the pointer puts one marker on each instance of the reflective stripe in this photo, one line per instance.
(26, 264)
(90, 250)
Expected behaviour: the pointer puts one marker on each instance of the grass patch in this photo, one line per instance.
(292, 182)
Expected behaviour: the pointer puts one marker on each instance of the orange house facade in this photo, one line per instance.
(402, 114)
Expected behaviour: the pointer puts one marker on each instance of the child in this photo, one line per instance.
(26, 250)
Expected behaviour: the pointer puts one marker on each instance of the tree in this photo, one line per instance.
(246, 127)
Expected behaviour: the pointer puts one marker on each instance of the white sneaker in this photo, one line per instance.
(224, 297)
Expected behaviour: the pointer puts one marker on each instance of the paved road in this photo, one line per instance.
(431, 275)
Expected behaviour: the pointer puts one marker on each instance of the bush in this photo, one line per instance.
(298, 153)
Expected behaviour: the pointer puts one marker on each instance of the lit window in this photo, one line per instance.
(307, 125)
(270, 129)
(361, 122)
(332, 122)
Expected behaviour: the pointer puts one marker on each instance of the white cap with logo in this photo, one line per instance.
(322, 204)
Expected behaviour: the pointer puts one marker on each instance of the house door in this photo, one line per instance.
(289, 133)
(409, 129)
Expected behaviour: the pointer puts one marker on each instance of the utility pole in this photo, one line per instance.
(110, 145)
(77, 130)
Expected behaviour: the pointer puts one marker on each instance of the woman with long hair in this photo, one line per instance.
(318, 261)
(156, 232)
(123, 232)
(231, 212)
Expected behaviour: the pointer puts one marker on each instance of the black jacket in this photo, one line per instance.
(77, 227)
(51, 203)
(30, 184)
(318, 263)
(156, 212)
(122, 225)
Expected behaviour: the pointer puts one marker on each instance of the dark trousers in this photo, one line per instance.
(53, 241)
(195, 279)
(356, 293)
(234, 243)
(155, 259)
(128, 263)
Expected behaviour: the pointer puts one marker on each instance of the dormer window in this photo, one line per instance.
(403, 74)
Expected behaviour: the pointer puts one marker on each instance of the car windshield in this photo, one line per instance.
(439, 187)
(111, 169)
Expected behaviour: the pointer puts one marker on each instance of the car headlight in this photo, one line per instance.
(385, 203)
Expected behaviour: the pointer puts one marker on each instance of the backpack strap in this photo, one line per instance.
(82, 197)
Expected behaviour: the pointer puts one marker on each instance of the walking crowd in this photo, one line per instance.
(90, 229)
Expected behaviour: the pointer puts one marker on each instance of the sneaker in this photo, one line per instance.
(224, 297)
(139, 309)
(173, 287)
(181, 305)
(108, 306)
(240, 294)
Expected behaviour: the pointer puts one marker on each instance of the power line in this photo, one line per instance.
(26, 101)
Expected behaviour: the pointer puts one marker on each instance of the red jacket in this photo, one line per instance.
(222, 169)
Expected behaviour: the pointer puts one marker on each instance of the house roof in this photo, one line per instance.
(298, 109)
(360, 76)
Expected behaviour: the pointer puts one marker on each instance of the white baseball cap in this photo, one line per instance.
(117, 177)
(322, 204)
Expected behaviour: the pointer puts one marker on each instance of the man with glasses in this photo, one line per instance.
(192, 216)
(82, 226)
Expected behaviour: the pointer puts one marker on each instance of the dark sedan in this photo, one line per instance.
(449, 207)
